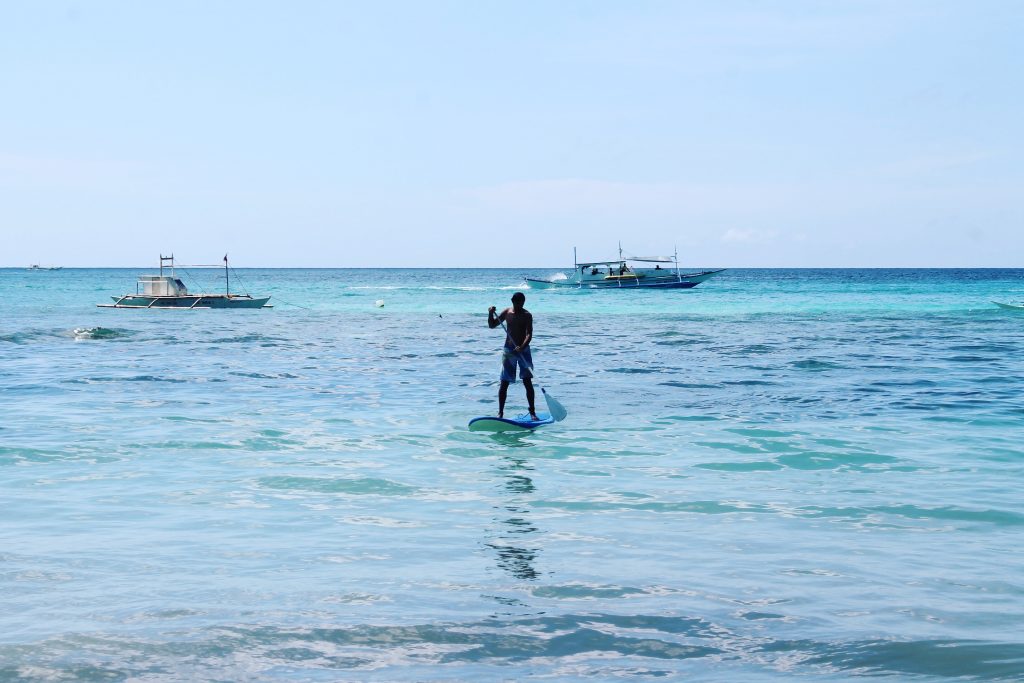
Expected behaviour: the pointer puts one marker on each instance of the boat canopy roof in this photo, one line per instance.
(642, 259)
(651, 259)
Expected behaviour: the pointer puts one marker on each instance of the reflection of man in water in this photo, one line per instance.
(514, 540)
(516, 354)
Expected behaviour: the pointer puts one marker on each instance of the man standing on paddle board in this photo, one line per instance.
(517, 349)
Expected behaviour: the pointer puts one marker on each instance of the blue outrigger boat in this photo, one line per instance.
(168, 291)
(624, 273)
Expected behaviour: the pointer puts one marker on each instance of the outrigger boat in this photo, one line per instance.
(623, 273)
(168, 291)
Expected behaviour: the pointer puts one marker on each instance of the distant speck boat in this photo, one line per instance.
(624, 273)
(168, 291)
(36, 266)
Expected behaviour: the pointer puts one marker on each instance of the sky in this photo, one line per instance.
(504, 134)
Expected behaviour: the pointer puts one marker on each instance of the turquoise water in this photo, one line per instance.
(778, 474)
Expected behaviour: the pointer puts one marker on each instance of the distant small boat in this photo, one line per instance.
(1011, 307)
(624, 273)
(36, 266)
(167, 291)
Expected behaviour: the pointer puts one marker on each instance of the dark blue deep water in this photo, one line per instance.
(780, 474)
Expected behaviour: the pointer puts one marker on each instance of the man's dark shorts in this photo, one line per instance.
(510, 360)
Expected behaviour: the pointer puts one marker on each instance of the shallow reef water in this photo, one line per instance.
(777, 474)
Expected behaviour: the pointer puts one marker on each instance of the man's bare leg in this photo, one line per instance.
(528, 383)
(502, 395)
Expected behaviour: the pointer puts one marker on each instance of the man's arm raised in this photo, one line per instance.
(492, 319)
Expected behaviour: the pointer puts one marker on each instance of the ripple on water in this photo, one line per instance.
(826, 460)
(603, 645)
(583, 592)
(689, 385)
(347, 485)
(750, 466)
(815, 365)
(947, 513)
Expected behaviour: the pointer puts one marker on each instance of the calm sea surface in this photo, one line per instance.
(778, 474)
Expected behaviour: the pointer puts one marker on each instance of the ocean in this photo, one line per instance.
(779, 474)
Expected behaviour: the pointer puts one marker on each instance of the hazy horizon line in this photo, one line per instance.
(687, 269)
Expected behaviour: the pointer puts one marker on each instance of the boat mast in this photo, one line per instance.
(166, 258)
(227, 278)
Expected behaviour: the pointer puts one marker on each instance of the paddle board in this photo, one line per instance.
(1012, 307)
(506, 424)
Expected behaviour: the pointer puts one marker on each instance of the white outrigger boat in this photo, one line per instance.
(624, 273)
(168, 291)
(1009, 307)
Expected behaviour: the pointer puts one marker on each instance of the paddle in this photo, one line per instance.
(557, 410)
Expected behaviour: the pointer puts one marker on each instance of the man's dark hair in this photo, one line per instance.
(518, 299)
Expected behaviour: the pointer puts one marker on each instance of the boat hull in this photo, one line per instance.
(1009, 307)
(188, 301)
(683, 281)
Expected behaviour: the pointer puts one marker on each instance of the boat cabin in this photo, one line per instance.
(161, 285)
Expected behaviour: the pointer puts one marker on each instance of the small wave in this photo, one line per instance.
(28, 336)
(82, 333)
(15, 338)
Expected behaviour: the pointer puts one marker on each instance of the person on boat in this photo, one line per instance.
(516, 354)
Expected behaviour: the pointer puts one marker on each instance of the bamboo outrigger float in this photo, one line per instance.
(168, 291)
